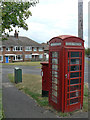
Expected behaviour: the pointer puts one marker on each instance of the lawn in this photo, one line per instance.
(23, 63)
(32, 85)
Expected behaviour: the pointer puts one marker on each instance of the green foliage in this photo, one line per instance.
(14, 14)
(87, 51)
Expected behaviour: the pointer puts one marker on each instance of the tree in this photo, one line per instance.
(15, 13)
(87, 51)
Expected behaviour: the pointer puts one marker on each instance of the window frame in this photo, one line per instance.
(39, 49)
(17, 56)
(40, 57)
(8, 49)
(34, 49)
(15, 48)
(1, 58)
(28, 48)
(1, 48)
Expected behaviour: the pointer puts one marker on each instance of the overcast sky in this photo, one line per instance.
(51, 18)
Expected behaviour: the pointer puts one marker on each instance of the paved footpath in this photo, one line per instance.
(16, 104)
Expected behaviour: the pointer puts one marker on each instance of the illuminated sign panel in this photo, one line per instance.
(74, 43)
(55, 44)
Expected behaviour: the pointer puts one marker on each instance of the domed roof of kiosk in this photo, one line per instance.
(63, 37)
(66, 36)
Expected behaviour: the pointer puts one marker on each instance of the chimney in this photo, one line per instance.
(16, 34)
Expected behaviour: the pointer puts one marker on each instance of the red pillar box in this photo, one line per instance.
(45, 78)
(66, 66)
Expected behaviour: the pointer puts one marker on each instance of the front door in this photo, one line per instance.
(7, 59)
(73, 80)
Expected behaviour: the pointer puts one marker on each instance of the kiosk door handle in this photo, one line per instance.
(65, 75)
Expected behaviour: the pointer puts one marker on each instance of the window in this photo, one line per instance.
(1, 49)
(7, 49)
(34, 49)
(1, 58)
(28, 56)
(41, 56)
(18, 57)
(9, 57)
(40, 49)
(28, 48)
(17, 48)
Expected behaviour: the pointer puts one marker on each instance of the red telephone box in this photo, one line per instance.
(66, 66)
(45, 78)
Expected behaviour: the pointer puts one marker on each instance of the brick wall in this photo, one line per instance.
(23, 53)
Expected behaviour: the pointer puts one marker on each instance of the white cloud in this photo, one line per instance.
(54, 17)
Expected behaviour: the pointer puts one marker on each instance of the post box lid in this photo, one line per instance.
(46, 63)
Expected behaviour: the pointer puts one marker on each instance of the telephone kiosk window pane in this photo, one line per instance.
(73, 75)
(73, 101)
(54, 93)
(54, 61)
(75, 68)
(74, 54)
(54, 54)
(54, 99)
(54, 74)
(74, 61)
(74, 81)
(54, 67)
(54, 86)
(74, 94)
(74, 88)
(54, 80)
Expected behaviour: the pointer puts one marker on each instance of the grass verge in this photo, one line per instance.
(32, 85)
(23, 63)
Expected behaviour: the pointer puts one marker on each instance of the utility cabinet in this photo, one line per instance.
(17, 75)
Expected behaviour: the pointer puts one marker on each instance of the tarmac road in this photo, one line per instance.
(34, 70)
